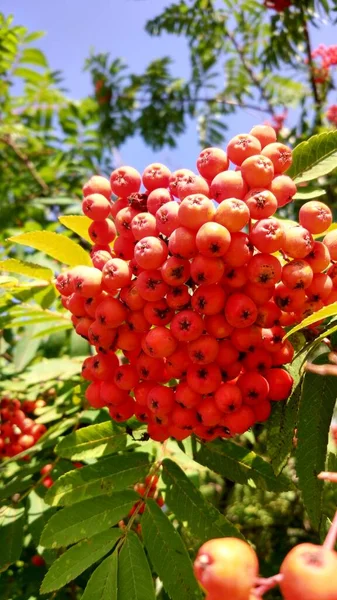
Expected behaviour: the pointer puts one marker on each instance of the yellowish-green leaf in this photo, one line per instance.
(77, 223)
(323, 313)
(309, 195)
(315, 157)
(12, 265)
(332, 227)
(8, 282)
(56, 245)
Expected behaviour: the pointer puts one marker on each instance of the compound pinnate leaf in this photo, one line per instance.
(241, 465)
(315, 413)
(56, 245)
(168, 555)
(13, 265)
(78, 558)
(108, 475)
(283, 420)
(87, 518)
(11, 535)
(102, 584)
(78, 224)
(309, 195)
(134, 574)
(92, 442)
(314, 158)
(188, 504)
(323, 313)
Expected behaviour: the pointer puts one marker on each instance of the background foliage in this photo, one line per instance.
(262, 486)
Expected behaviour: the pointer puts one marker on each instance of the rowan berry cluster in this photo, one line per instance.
(331, 114)
(325, 57)
(18, 431)
(48, 480)
(228, 568)
(147, 489)
(326, 54)
(193, 282)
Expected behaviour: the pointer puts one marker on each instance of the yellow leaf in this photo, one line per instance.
(77, 223)
(332, 227)
(12, 265)
(7, 281)
(323, 313)
(56, 245)
(287, 222)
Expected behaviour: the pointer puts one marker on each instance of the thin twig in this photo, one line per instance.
(330, 540)
(6, 139)
(314, 88)
(255, 79)
(321, 369)
(264, 585)
(327, 476)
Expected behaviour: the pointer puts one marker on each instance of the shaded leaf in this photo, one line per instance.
(104, 477)
(78, 558)
(134, 574)
(93, 441)
(315, 414)
(102, 584)
(26, 348)
(38, 514)
(85, 519)
(241, 465)
(283, 420)
(11, 535)
(188, 504)
(168, 554)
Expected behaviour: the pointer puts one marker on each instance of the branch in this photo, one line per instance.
(330, 540)
(264, 585)
(6, 139)
(314, 89)
(255, 79)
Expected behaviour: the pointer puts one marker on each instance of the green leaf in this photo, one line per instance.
(315, 414)
(92, 442)
(184, 499)
(56, 245)
(38, 514)
(29, 75)
(11, 535)
(12, 265)
(102, 584)
(323, 313)
(26, 349)
(33, 56)
(134, 574)
(168, 554)
(314, 158)
(85, 519)
(79, 224)
(283, 420)
(108, 475)
(241, 465)
(309, 195)
(78, 558)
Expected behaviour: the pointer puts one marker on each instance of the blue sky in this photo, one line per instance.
(117, 27)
